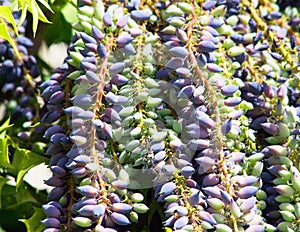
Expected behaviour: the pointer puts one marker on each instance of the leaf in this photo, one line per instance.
(23, 161)
(4, 159)
(4, 127)
(46, 5)
(5, 35)
(42, 17)
(24, 13)
(35, 16)
(59, 24)
(21, 175)
(1, 230)
(33, 223)
(13, 199)
(154, 207)
(2, 183)
(37, 13)
(9, 219)
(69, 12)
(39, 195)
(7, 15)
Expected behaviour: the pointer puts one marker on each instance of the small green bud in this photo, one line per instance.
(176, 22)
(284, 131)
(297, 209)
(82, 221)
(215, 203)
(283, 225)
(140, 208)
(232, 20)
(86, 10)
(171, 198)
(257, 169)
(185, 7)
(38, 147)
(285, 174)
(220, 218)
(234, 209)
(219, 11)
(256, 157)
(295, 178)
(285, 190)
(236, 51)
(137, 197)
(283, 199)
(279, 181)
(288, 216)
(206, 226)
(287, 207)
(228, 43)
(134, 217)
(261, 195)
(223, 228)
(173, 10)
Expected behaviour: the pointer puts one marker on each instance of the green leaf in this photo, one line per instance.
(154, 207)
(4, 159)
(13, 199)
(1, 230)
(46, 5)
(4, 127)
(9, 219)
(7, 15)
(21, 175)
(37, 13)
(42, 17)
(33, 8)
(23, 161)
(24, 8)
(69, 12)
(5, 35)
(33, 223)
(2, 183)
(61, 25)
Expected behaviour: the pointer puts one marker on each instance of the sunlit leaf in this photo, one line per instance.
(24, 160)
(69, 13)
(24, 8)
(46, 5)
(5, 35)
(42, 17)
(37, 13)
(4, 159)
(35, 16)
(4, 127)
(21, 175)
(33, 223)
(7, 15)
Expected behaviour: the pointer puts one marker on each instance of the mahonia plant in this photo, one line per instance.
(195, 102)
(189, 98)
(19, 78)
(21, 146)
(170, 116)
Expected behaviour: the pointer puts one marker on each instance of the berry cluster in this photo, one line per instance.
(193, 105)
(19, 79)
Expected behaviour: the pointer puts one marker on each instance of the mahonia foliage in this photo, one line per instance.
(175, 116)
